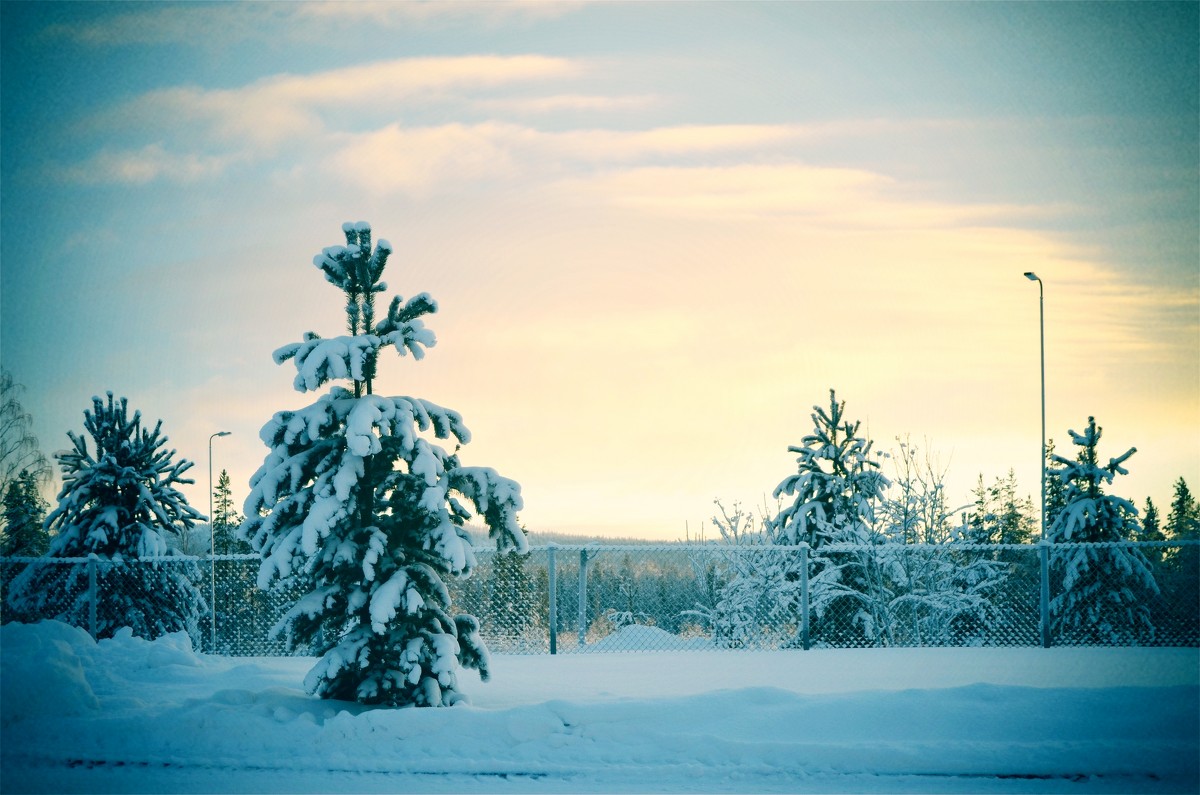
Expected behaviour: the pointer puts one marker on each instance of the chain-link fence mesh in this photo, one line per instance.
(596, 598)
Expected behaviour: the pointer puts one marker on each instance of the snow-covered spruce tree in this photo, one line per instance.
(118, 502)
(354, 501)
(1102, 593)
(835, 490)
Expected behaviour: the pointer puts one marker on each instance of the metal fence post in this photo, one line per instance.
(1044, 600)
(92, 595)
(553, 588)
(212, 595)
(583, 563)
(804, 633)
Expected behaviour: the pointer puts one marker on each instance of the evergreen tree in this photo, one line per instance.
(834, 493)
(226, 520)
(981, 521)
(1183, 520)
(24, 511)
(1181, 565)
(1151, 530)
(1056, 495)
(354, 501)
(1015, 522)
(1104, 591)
(836, 487)
(1000, 516)
(118, 502)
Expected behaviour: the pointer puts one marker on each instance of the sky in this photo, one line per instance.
(658, 233)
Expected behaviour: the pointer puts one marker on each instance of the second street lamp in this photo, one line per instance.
(1043, 551)
(1033, 277)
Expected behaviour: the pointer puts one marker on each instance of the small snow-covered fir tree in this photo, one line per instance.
(118, 502)
(356, 501)
(1103, 592)
(834, 493)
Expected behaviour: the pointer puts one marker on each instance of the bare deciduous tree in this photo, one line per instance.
(19, 448)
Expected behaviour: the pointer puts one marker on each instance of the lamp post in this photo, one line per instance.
(1033, 277)
(212, 546)
(1044, 551)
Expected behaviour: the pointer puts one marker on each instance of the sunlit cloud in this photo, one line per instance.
(400, 159)
(556, 103)
(416, 160)
(829, 196)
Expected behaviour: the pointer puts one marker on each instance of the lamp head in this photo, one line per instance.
(223, 433)
(1031, 276)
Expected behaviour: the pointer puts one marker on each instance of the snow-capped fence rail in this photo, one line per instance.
(598, 598)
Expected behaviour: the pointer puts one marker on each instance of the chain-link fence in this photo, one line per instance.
(596, 598)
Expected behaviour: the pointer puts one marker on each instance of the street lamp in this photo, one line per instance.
(1044, 551)
(1033, 277)
(212, 546)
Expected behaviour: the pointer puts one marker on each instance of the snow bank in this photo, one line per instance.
(130, 715)
(43, 672)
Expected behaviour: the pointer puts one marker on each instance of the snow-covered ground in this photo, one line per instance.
(127, 715)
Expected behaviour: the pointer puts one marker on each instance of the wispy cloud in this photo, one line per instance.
(400, 159)
(147, 164)
(835, 197)
(280, 106)
(414, 161)
(557, 103)
(220, 24)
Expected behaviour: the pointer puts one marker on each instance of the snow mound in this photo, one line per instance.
(135, 655)
(45, 671)
(636, 637)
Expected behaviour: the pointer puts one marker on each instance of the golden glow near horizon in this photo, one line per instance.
(652, 256)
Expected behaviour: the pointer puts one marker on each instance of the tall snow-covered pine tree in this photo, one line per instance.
(355, 500)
